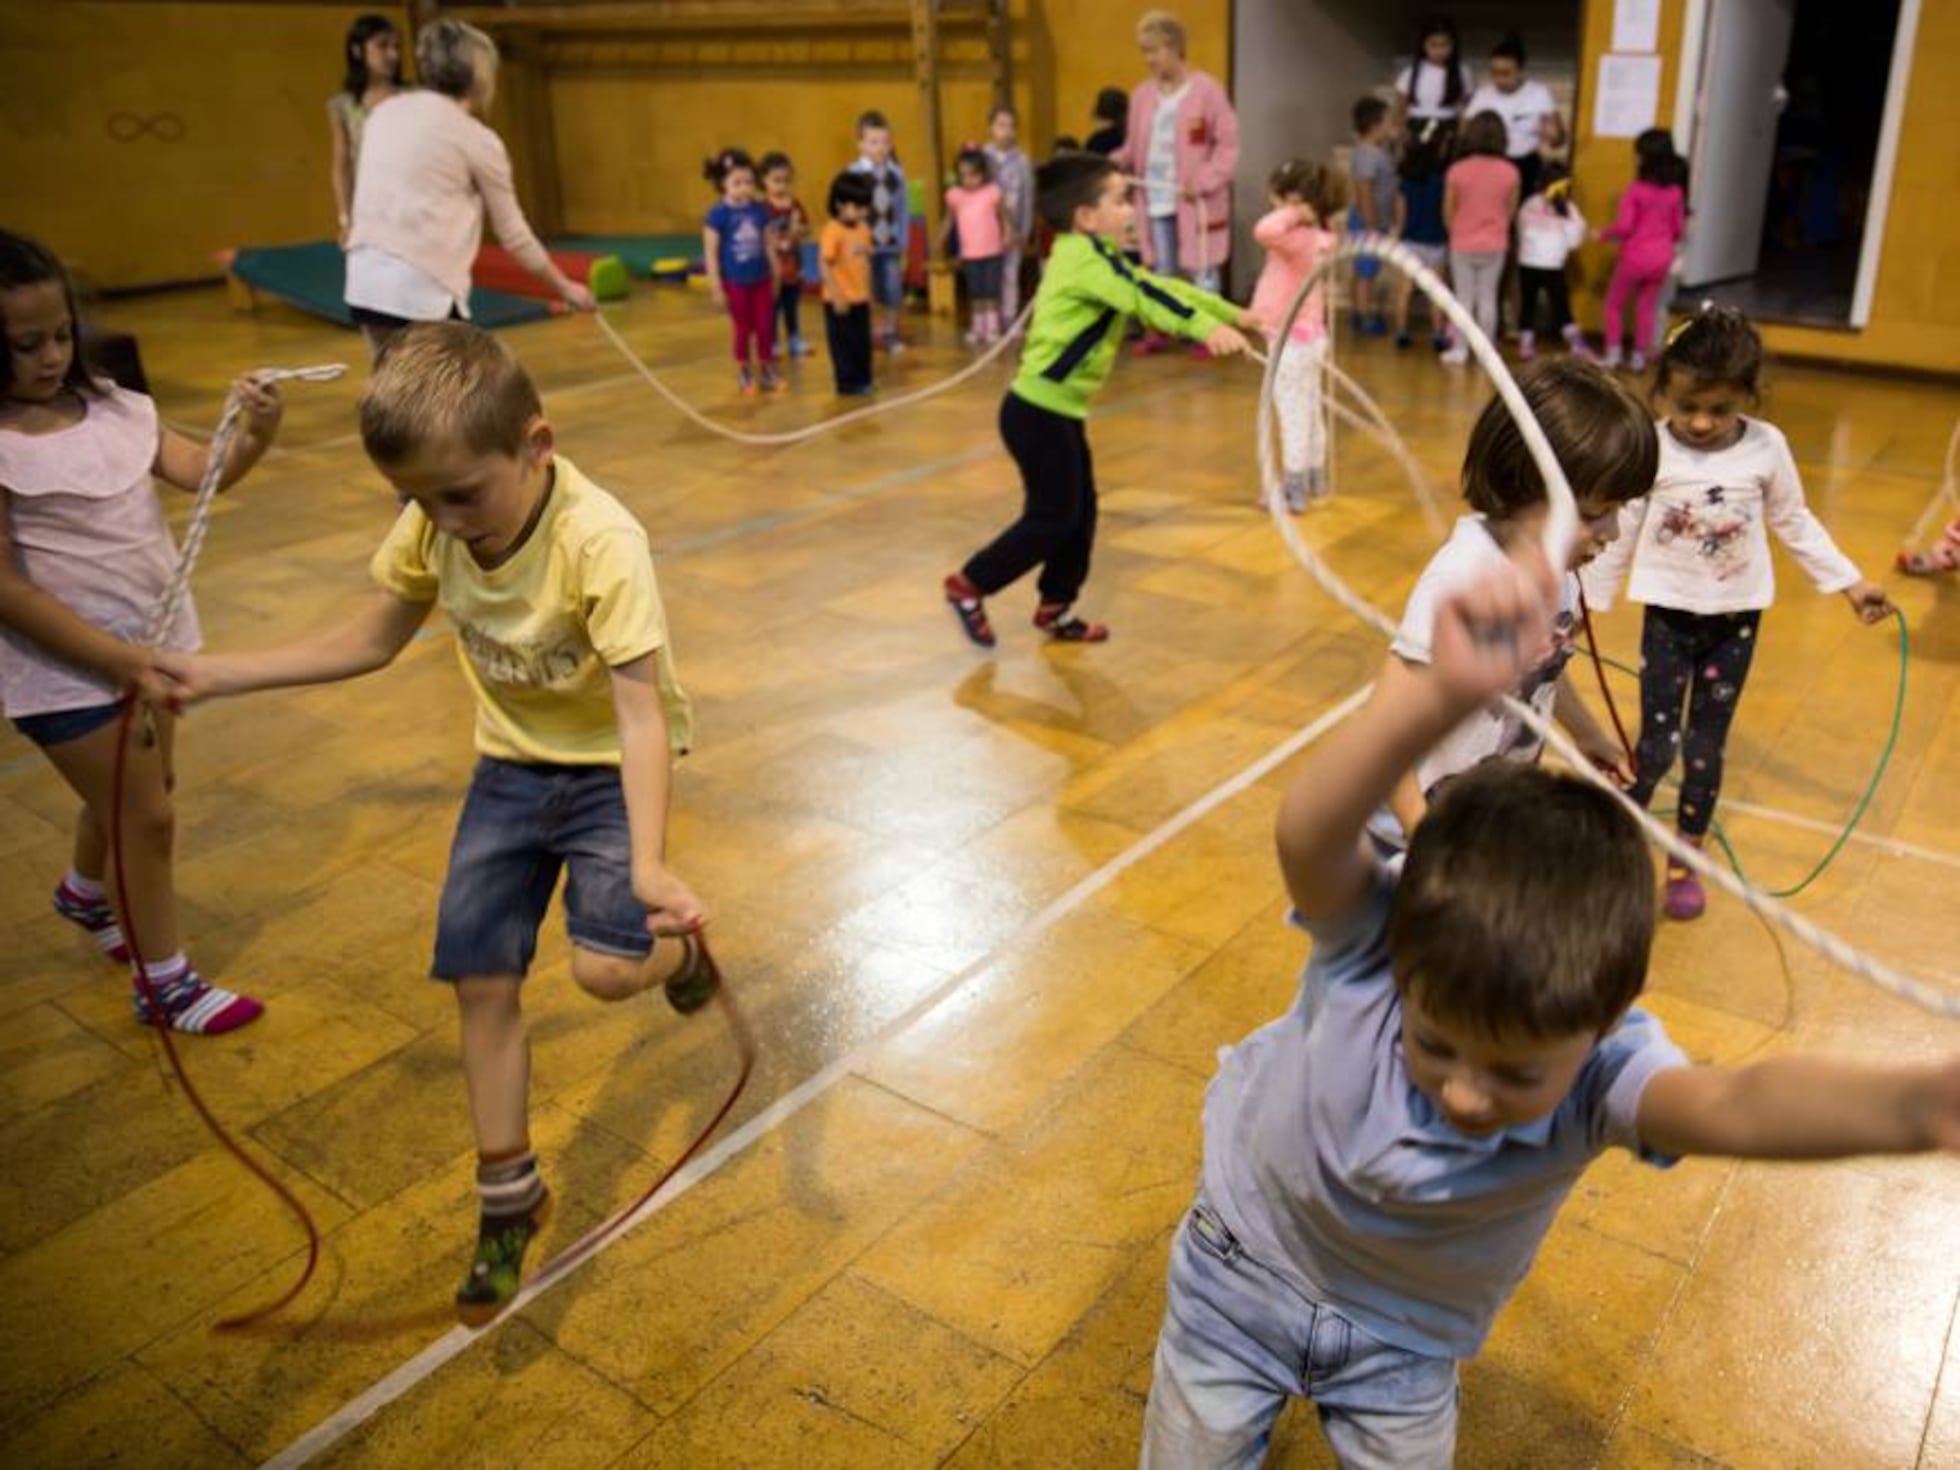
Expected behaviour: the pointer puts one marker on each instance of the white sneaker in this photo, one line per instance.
(1457, 356)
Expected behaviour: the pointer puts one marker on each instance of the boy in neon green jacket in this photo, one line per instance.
(1087, 291)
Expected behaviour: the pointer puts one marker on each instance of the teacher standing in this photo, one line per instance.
(429, 171)
(1183, 143)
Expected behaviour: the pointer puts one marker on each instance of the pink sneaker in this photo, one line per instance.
(1683, 899)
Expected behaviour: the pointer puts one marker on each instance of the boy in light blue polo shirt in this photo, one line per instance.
(1382, 1162)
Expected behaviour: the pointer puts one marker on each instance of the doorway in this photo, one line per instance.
(1790, 155)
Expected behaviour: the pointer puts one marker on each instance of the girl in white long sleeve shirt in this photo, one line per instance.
(1698, 546)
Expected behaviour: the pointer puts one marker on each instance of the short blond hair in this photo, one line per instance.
(1161, 25)
(456, 59)
(447, 380)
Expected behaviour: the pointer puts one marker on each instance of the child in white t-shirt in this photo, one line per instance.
(1699, 550)
(1550, 228)
(1605, 442)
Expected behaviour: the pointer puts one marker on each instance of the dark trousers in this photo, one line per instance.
(849, 334)
(789, 300)
(1057, 528)
(1692, 668)
(1533, 281)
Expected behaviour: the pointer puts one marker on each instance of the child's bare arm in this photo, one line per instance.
(184, 464)
(711, 263)
(645, 772)
(1802, 1108)
(1487, 635)
(378, 629)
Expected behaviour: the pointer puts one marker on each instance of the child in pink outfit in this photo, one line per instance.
(1295, 241)
(978, 228)
(1480, 198)
(1653, 216)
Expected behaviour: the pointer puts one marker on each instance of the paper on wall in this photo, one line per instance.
(1627, 97)
(1636, 25)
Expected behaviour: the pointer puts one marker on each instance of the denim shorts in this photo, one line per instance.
(983, 278)
(62, 726)
(522, 824)
(1239, 1340)
(888, 277)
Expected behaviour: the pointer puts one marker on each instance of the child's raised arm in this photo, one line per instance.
(184, 463)
(1802, 1108)
(1487, 635)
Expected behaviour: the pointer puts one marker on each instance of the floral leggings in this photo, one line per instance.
(1692, 668)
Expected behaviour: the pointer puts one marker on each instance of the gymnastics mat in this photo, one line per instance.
(640, 252)
(496, 269)
(313, 277)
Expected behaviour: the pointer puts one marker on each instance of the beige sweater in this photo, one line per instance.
(428, 172)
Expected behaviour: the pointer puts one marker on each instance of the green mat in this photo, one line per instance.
(638, 251)
(313, 278)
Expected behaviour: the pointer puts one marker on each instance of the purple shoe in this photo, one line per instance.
(1683, 898)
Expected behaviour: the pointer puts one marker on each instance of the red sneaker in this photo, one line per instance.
(965, 600)
(1055, 619)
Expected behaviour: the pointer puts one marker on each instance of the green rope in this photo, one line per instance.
(1864, 801)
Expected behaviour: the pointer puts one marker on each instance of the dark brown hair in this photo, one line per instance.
(1483, 134)
(1715, 345)
(1602, 435)
(1068, 182)
(446, 379)
(1367, 113)
(25, 262)
(1526, 906)
(1319, 187)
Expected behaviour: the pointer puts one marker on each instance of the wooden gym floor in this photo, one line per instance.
(950, 1248)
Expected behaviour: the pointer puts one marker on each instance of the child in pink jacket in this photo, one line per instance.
(1295, 239)
(1653, 216)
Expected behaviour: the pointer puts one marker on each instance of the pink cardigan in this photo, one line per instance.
(428, 172)
(1207, 154)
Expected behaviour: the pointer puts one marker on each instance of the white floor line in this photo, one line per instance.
(1890, 845)
(357, 1411)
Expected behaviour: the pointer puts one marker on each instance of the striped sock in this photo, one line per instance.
(84, 903)
(188, 1003)
(509, 1185)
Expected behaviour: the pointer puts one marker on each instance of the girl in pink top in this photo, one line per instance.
(1480, 197)
(977, 211)
(84, 555)
(1295, 240)
(1653, 216)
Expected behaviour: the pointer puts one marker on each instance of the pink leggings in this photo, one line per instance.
(753, 311)
(1642, 279)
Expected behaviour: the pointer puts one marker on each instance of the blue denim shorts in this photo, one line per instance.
(64, 725)
(888, 277)
(521, 825)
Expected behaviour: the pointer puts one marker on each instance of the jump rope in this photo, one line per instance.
(699, 978)
(696, 982)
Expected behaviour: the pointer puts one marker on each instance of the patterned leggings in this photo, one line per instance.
(1302, 427)
(1692, 668)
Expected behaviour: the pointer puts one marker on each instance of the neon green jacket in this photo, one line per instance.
(1087, 289)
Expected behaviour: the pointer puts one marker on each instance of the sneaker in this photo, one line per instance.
(1684, 897)
(1403, 341)
(1575, 341)
(893, 344)
(191, 1006)
(498, 1270)
(799, 348)
(1294, 489)
(1527, 346)
(1317, 487)
(1055, 619)
(1440, 341)
(1456, 356)
(968, 606)
(1378, 325)
(773, 381)
(1611, 360)
(95, 917)
(1150, 344)
(1637, 363)
(745, 381)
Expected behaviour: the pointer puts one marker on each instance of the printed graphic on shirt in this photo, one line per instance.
(1537, 688)
(554, 660)
(1717, 529)
(745, 240)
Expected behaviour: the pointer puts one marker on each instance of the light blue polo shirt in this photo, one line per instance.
(1333, 1169)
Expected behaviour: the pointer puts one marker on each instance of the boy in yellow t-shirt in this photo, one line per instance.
(550, 584)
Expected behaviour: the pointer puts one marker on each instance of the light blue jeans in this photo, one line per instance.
(1238, 1341)
(1163, 246)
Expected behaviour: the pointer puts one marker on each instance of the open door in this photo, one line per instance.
(1738, 102)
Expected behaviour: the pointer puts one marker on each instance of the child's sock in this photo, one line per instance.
(84, 903)
(188, 1003)
(515, 1206)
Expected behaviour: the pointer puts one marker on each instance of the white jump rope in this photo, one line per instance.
(1561, 531)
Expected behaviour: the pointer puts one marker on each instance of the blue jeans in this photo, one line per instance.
(1163, 245)
(1238, 1341)
(888, 277)
(521, 826)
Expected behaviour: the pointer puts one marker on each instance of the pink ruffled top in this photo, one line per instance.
(88, 530)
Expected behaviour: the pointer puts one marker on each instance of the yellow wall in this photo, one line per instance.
(250, 83)
(1915, 321)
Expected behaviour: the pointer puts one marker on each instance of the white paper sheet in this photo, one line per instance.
(1636, 25)
(1627, 97)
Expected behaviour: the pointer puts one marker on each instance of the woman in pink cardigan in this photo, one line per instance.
(1184, 144)
(429, 170)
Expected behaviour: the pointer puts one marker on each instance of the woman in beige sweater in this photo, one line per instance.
(429, 171)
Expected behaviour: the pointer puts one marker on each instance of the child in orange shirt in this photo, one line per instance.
(844, 251)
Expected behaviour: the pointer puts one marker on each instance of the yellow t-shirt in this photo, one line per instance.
(539, 634)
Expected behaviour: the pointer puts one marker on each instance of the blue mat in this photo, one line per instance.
(313, 277)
